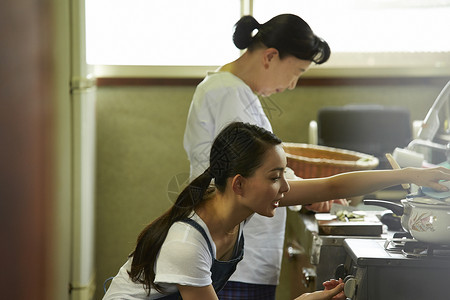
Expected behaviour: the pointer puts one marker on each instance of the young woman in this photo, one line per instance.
(195, 246)
(278, 53)
(192, 249)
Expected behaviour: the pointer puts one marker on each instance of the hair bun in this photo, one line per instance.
(244, 28)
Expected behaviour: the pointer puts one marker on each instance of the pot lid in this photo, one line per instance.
(427, 195)
(436, 194)
(430, 201)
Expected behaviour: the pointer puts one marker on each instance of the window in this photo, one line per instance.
(371, 25)
(168, 32)
(405, 36)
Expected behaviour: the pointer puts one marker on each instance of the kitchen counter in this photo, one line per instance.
(319, 254)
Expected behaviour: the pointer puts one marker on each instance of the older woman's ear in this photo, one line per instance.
(268, 55)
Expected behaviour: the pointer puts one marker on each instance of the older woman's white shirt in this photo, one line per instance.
(219, 99)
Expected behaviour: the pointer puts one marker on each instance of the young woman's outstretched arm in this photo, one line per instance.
(359, 183)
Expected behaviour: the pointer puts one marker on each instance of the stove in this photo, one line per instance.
(395, 268)
(411, 248)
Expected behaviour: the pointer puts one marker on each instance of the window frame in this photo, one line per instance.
(345, 65)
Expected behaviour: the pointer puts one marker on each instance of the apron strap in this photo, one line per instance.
(202, 231)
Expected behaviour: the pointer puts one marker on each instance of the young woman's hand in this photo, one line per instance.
(334, 290)
(333, 283)
(429, 177)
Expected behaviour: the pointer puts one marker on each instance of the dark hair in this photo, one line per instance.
(287, 33)
(238, 149)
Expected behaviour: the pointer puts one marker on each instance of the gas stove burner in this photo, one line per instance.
(397, 242)
(418, 249)
(396, 245)
(403, 234)
(403, 243)
(415, 249)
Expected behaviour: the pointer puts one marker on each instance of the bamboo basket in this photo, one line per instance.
(313, 161)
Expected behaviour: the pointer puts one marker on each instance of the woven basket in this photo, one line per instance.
(313, 161)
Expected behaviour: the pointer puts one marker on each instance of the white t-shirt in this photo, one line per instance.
(184, 259)
(219, 99)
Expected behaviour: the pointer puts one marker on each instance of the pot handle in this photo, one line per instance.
(395, 207)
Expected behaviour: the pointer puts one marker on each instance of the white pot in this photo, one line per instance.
(425, 220)
(429, 223)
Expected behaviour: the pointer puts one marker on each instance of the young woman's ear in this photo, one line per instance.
(237, 184)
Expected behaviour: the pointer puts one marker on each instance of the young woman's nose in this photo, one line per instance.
(284, 186)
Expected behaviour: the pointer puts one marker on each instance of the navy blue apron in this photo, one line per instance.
(221, 271)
